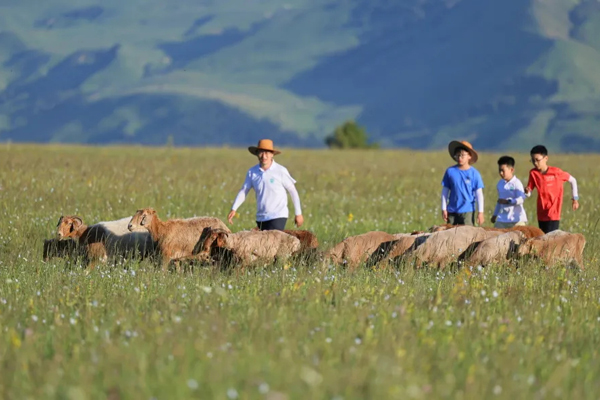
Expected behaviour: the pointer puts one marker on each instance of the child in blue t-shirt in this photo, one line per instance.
(462, 186)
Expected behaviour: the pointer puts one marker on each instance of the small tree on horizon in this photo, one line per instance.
(349, 135)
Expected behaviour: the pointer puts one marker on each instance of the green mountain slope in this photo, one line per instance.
(417, 73)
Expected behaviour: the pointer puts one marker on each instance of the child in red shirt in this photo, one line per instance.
(549, 183)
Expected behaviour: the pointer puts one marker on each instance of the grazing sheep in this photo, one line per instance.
(444, 247)
(246, 247)
(528, 231)
(309, 245)
(59, 248)
(556, 247)
(496, 249)
(308, 240)
(355, 250)
(395, 250)
(105, 239)
(175, 238)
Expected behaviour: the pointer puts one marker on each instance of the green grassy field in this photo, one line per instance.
(282, 332)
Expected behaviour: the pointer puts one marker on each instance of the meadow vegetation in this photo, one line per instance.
(283, 331)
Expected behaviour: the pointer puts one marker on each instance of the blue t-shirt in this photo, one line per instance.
(462, 185)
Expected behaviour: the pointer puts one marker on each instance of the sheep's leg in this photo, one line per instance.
(166, 260)
(178, 267)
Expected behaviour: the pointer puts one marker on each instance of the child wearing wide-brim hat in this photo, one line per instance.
(271, 182)
(263, 145)
(463, 145)
(462, 186)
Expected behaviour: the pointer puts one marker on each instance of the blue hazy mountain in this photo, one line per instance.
(416, 73)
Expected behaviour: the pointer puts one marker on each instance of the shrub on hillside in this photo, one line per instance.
(349, 135)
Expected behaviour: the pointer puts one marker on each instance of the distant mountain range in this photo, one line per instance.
(416, 73)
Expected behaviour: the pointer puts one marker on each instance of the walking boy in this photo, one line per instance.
(462, 186)
(270, 181)
(509, 210)
(549, 183)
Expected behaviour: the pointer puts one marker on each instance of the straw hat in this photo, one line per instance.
(464, 145)
(264, 145)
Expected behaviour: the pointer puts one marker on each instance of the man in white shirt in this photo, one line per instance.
(509, 210)
(270, 182)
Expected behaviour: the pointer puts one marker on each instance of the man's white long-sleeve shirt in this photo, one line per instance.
(513, 192)
(270, 187)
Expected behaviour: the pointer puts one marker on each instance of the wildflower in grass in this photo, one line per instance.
(192, 384)
(232, 393)
(350, 217)
(263, 388)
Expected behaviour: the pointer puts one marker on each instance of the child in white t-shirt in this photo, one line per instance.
(509, 210)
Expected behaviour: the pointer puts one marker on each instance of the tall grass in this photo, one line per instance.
(282, 331)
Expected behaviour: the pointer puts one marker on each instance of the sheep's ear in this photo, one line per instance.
(206, 233)
(221, 238)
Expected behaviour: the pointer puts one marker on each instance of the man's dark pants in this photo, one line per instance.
(277, 224)
(467, 218)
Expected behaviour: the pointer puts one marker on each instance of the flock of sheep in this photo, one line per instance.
(207, 240)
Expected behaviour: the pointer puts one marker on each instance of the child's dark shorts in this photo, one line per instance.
(467, 218)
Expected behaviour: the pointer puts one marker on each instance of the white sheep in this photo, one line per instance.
(495, 250)
(355, 250)
(445, 247)
(246, 247)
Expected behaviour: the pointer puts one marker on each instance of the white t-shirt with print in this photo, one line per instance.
(270, 187)
(512, 191)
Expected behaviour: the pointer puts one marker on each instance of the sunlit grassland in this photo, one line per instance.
(283, 331)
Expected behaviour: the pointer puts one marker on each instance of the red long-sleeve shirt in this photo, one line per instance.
(550, 192)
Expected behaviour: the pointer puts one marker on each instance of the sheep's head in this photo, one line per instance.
(68, 226)
(141, 219)
(526, 247)
(515, 246)
(210, 238)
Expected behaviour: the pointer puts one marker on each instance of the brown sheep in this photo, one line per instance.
(355, 250)
(528, 231)
(445, 247)
(105, 239)
(246, 247)
(175, 238)
(496, 249)
(556, 247)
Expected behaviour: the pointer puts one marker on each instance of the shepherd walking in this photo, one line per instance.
(270, 182)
